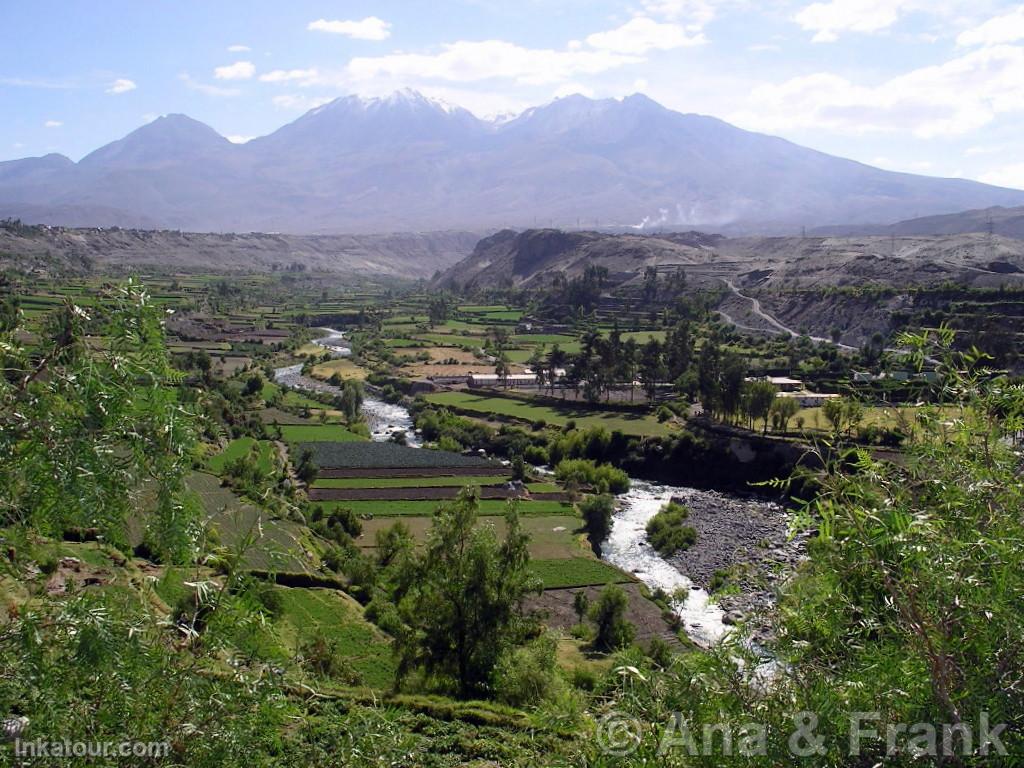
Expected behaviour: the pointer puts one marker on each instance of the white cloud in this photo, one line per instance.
(210, 90)
(764, 48)
(694, 14)
(1007, 28)
(370, 28)
(467, 61)
(641, 34)
(238, 48)
(122, 85)
(1005, 176)
(52, 124)
(304, 76)
(949, 99)
(828, 19)
(236, 139)
(240, 70)
(301, 102)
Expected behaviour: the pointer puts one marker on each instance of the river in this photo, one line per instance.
(384, 419)
(626, 547)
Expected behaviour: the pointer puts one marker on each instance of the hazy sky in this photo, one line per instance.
(929, 86)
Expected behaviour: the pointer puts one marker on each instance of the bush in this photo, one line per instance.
(608, 613)
(270, 599)
(536, 455)
(603, 478)
(583, 678)
(660, 652)
(320, 656)
(667, 532)
(526, 675)
(597, 518)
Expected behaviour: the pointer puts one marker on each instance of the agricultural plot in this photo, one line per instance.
(339, 620)
(236, 449)
(362, 472)
(343, 367)
(551, 411)
(576, 572)
(324, 433)
(552, 537)
(369, 455)
(413, 482)
(425, 493)
(280, 546)
(370, 508)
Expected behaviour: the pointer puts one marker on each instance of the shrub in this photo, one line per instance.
(269, 598)
(320, 656)
(660, 652)
(527, 675)
(597, 518)
(536, 455)
(608, 613)
(603, 478)
(667, 532)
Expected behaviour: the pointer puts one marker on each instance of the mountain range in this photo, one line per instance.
(407, 162)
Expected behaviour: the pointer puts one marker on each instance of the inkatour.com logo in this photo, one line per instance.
(42, 748)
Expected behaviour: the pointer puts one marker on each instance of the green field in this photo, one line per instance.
(339, 619)
(279, 545)
(640, 424)
(393, 508)
(552, 537)
(309, 433)
(241, 447)
(576, 572)
(410, 482)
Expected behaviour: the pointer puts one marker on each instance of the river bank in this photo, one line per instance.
(730, 530)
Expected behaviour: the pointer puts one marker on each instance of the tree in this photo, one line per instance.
(760, 398)
(597, 518)
(734, 370)
(580, 604)
(844, 414)
(785, 408)
(652, 367)
(306, 470)
(709, 375)
(350, 401)
(608, 613)
(81, 427)
(464, 608)
(437, 311)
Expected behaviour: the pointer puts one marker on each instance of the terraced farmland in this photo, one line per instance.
(281, 546)
(551, 411)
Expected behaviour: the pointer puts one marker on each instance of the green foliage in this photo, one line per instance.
(583, 473)
(597, 517)
(909, 606)
(527, 675)
(462, 609)
(84, 427)
(576, 572)
(608, 613)
(667, 530)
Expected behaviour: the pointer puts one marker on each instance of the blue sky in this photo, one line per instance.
(928, 86)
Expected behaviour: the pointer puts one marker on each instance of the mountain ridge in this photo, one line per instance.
(408, 162)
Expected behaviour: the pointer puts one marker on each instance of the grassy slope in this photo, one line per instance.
(644, 425)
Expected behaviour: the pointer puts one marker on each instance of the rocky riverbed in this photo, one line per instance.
(744, 541)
